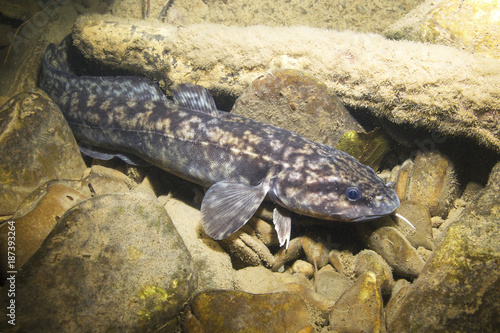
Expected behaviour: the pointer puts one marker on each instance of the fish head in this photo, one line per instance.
(335, 188)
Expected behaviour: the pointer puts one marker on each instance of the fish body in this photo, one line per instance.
(241, 160)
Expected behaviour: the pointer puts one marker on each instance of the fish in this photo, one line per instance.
(242, 162)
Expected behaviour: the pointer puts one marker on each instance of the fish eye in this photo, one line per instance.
(353, 193)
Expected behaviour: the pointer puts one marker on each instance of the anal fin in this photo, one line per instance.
(106, 155)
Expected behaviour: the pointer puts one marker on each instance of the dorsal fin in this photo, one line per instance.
(195, 97)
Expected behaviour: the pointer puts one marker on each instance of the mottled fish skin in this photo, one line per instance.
(243, 160)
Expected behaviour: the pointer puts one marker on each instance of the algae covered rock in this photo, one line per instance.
(112, 263)
(471, 25)
(236, 311)
(459, 288)
(430, 180)
(365, 304)
(36, 145)
(36, 217)
(298, 102)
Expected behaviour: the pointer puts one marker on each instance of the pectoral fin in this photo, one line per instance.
(282, 224)
(227, 206)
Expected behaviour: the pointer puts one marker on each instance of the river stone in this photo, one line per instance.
(419, 217)
(471, 25)
(111, 263)
(294, 100)
(36, 217)
(36, 145)
(316, 251)
(212, 263)
(360, 308)
(433, 182)
(331, 284)
(368, 260)
(396, 251)
(237, 311)
(459, 288)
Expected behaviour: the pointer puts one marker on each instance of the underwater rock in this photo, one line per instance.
(340, 15)
(430, 86)
(246, 250)
(396, 251)
(360, 308)
(111, 263)
(36, 145)
(107, 180)
(212, 263)
(335, 260)
(470, 25)
(294, 100)
(316, 251)
(285, 255)
(398, 295)
(459, 288)
(368, 148)
(260, 280)
(420, 218)
(233, 311)
(331, 284)
(368, 260)
(429, 180)
(303, 267)
(41, 23)
(35, 218)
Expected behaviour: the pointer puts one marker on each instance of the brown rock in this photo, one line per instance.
(331, 284)
(111, 263)
(419, 217)
(303, 267)
(236, 311)
(36, 145)
(460, 96)
(294, 100)
(335, 261)
(316, 251)
(433, 182)
(396, 251)
(36, 217)
(361, 308)
(368, 260)
(459, 288)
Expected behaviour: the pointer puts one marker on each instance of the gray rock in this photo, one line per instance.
(36, 145)
(459, 288)
(112, 263)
